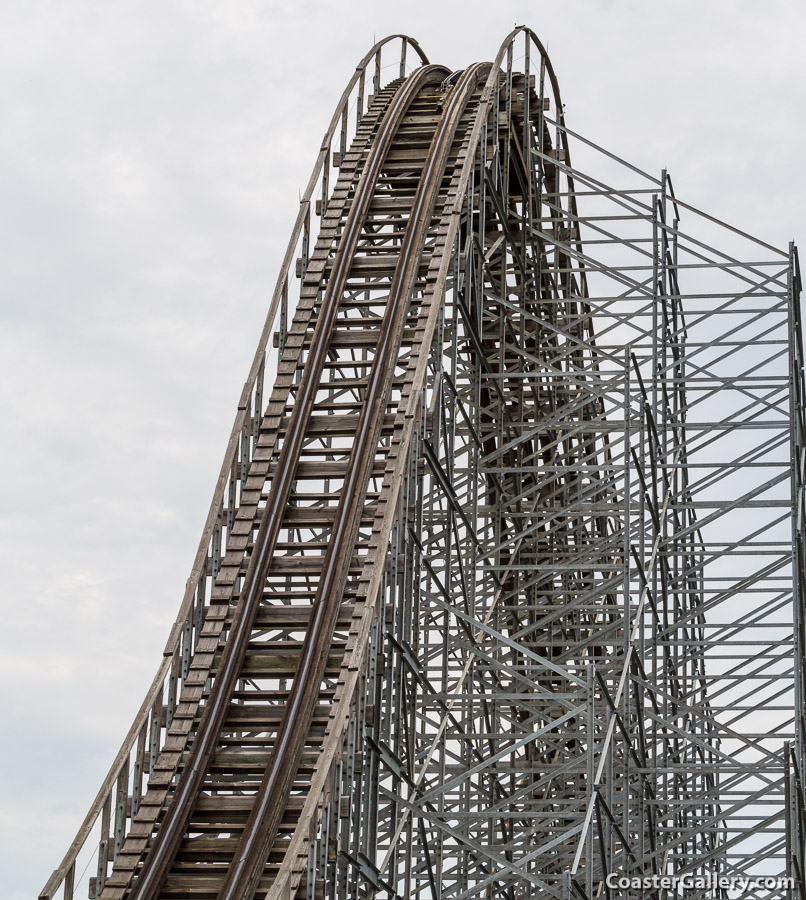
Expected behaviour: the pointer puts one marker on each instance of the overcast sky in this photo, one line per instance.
(151, 155)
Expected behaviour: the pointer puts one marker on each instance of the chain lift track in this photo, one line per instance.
(499, 594)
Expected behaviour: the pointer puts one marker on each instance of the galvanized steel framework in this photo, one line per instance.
(583, 655)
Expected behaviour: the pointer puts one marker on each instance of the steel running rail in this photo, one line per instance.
(170, 832)
(65, 873)
(261, 826)
(276, 785)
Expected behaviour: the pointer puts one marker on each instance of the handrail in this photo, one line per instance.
(200, 561)
(174, 824)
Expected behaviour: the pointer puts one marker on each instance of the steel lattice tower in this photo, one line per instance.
(500, 591)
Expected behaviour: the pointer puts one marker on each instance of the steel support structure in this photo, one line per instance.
(579, 651)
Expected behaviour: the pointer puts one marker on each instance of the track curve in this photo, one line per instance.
(268, 674)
